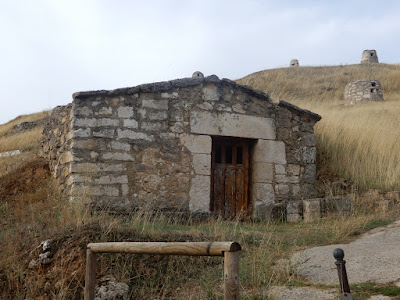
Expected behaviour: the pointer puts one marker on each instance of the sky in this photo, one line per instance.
(52, 48)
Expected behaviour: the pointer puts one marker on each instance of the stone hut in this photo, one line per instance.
(194, 145)
(294, 63)
(369, 57)
(363, 90)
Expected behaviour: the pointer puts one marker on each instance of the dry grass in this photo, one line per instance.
(361, 143)
(7, 127)
(26, 141)
(39, 214)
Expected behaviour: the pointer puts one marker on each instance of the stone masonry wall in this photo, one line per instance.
(56, 143)
(150, 146)
(363, 90)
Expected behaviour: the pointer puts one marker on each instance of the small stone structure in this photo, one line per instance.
(311, 210)
(369, 57)
(167, 145)
(294, 63)
(363, 90)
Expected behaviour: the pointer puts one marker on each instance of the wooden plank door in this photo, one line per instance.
(230, 177)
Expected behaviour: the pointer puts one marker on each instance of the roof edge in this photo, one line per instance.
(297, 109)
(164, 86)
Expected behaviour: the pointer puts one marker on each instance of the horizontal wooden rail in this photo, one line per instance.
(229, 250)
(167, 248)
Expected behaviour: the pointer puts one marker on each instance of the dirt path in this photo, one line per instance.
(375, 256)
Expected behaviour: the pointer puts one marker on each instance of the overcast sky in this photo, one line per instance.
(53, 48)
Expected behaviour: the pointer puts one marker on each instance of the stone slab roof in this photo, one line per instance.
(164, 86)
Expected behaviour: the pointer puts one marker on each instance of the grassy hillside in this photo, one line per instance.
(26, 141)
(360, 143)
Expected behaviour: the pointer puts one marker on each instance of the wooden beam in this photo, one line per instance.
(167, 248)
(90, 276)
(231, 275)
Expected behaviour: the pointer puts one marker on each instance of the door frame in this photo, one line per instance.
(233, 140)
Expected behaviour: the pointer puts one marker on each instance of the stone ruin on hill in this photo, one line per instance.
(193, 145)
(294, 63)
(363, 90)
(369, 57)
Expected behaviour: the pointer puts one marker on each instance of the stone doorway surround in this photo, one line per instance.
(266, 155)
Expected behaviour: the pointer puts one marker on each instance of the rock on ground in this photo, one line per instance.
(110, 289)
(375, 257)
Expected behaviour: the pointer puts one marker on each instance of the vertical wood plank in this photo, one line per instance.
(240, 207)
(231, 275)
(229, 195)
(90, 276)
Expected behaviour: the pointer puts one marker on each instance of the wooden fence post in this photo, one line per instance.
(231, 275)
(229, 250)
(90, 276)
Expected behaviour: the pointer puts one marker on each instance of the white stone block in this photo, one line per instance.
(81, 133)
(112, 179)
(227, 124)
(280, 170)
(105, 111)
(270, 152)
(130, 123)
(156, 104)
(263, 192)
(173, 95)
(133, 135)
(125, 189)
(199, 194)
(120, 146)
(263, 172)
(117, 156)
(159, 116)
(83, 111)
(84, 168)
(311, 210)
(104, 133)
(283, 189)
(202, 164)
(95, 122)
(125, 112)
(197, 143)
(210, 93)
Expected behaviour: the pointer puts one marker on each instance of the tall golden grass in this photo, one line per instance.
(25, 141)
(361, 143)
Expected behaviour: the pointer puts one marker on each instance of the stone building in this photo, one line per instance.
(294, 63)
(363, 90)
(369, 57)
(194, 145)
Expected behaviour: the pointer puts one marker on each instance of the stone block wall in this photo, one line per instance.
(150, 145)
(56, 143)
(363, 90)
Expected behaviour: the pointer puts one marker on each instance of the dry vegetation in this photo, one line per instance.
(25, 141)
(360, 143)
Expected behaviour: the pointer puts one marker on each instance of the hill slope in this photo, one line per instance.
(360, 143)
(322, 84)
